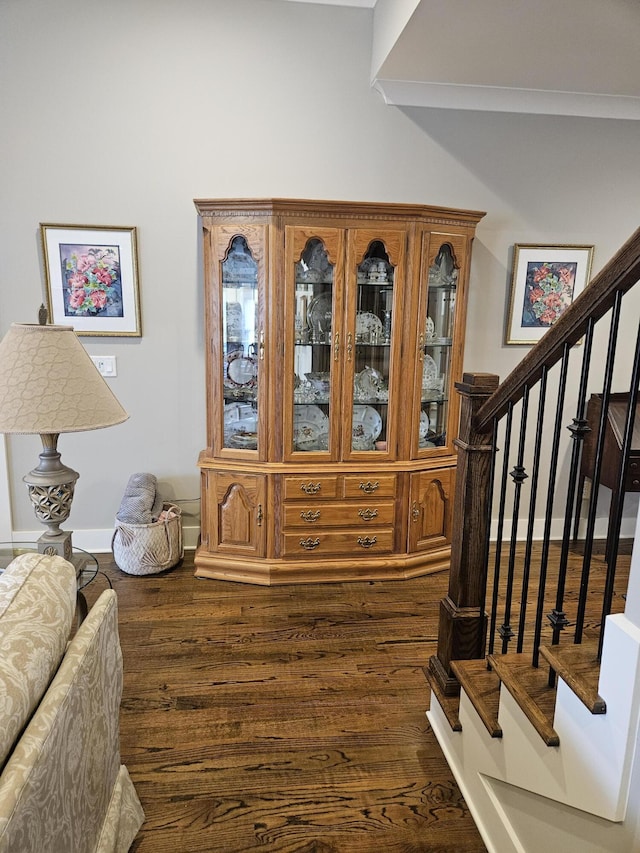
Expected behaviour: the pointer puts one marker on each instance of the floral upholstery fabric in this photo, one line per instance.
(37, 604)
(63, 788)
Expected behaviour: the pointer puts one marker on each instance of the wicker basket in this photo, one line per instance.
(146, 549)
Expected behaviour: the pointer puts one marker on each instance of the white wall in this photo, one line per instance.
(121, 113)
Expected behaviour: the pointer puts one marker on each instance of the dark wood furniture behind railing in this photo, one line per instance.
(611, 451)
(466, 631)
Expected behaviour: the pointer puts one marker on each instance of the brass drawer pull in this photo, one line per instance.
(309, 544)
(415, 512)
(366, 541)
(369, 487)
(310, 515)
(311, 488)
(259, 516)
(367, 514)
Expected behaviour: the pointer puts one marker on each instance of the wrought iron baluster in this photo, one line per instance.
(518, 475)
(498, 554)
(532, 508)
(546, 537)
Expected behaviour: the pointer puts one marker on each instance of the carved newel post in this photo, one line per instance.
(462, 628)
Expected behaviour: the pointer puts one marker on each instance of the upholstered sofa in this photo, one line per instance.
(63, 788)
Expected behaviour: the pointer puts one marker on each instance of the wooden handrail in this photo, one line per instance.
(620, 274)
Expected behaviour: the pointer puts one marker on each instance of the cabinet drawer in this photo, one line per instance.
(359, 485)
(310, 488)
(312, 542)
(364, 513)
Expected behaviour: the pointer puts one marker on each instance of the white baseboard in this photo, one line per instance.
(99, 541)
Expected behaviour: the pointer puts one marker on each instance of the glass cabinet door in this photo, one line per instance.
(313, 311)
(373, 342)
(240, 346)
(436, 348)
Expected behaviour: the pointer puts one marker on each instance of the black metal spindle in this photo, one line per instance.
(546, 538)
(597, 466)
(518, 475)
(526, 570)
(500, 529)
(578, 429)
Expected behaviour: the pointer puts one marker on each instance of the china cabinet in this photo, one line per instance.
(334, 334)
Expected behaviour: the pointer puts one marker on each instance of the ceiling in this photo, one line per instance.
(575, 57)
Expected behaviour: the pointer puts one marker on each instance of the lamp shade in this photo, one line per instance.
(48, 383)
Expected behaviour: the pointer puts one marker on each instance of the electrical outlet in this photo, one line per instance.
(106, 364)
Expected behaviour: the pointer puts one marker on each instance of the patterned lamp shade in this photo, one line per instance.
(48, 384)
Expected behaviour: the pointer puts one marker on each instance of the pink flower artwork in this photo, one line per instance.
(91, 280)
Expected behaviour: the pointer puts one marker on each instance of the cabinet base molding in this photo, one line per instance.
(279, 572)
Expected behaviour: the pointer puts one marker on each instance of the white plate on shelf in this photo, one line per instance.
(429, 372)
(366, 422)
(368, 325)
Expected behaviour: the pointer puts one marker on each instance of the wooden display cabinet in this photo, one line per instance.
(334, 336)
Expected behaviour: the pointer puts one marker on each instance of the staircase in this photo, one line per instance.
(535, 687)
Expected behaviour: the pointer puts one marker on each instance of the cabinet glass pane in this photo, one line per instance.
(313, 364)
(436, 353)
(373, 335)
(239, 346)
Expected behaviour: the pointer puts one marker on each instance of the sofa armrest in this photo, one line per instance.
(57, 787)
(37, 606)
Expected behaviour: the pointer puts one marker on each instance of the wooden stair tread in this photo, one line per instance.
(482, 686)
(530, 688)
(449, 704)
(579, 668)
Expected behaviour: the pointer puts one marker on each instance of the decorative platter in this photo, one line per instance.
(244, 440)
(366, 422)
(429, 372)
(310, 424)
(368, 325)
(319, 313)
(242, 370)
(367, 383)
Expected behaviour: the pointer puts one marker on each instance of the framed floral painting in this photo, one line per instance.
(92, 278)
(544, 283)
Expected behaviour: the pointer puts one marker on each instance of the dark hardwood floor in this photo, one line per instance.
(285, 718)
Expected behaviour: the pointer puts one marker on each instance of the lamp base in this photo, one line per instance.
(62, 546)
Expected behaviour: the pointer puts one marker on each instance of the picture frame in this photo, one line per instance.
(92, 278)
(545, 280)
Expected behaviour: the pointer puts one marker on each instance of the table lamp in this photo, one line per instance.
(49, 385)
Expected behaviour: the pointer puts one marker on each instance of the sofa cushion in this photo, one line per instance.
(37, 605)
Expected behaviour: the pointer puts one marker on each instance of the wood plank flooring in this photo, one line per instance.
(284, 719)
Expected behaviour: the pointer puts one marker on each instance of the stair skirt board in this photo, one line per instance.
(509, 783)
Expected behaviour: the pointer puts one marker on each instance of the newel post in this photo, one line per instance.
(463, 622)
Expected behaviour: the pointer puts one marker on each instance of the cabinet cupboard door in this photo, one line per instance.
(238, 259)
(376, 284)
(314, 288)
(430, 509)
(236, 504)
(440, 328)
